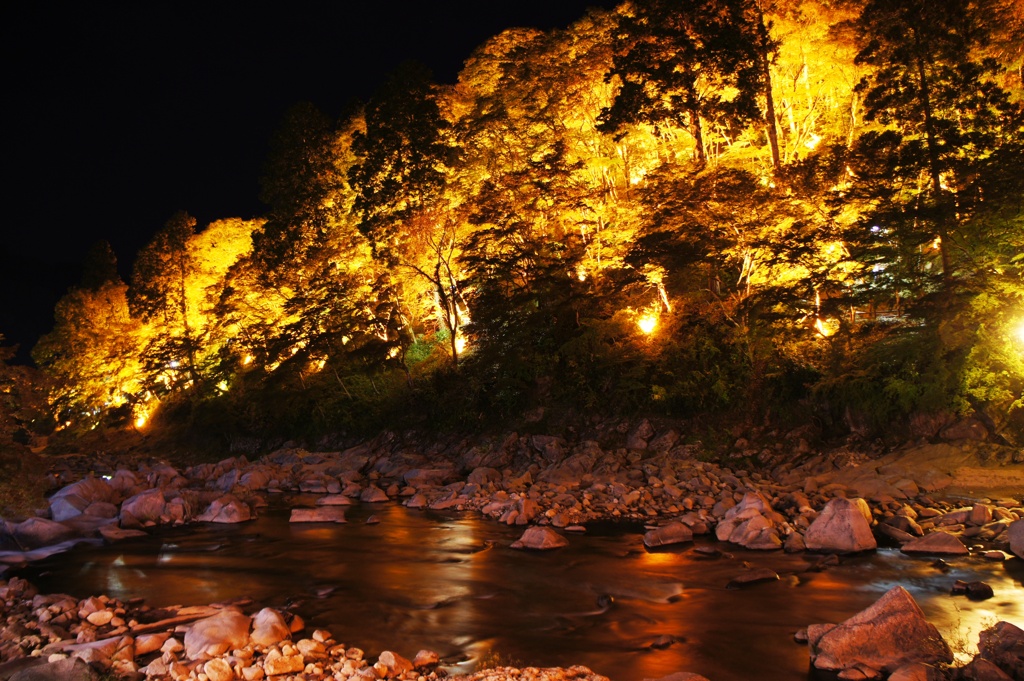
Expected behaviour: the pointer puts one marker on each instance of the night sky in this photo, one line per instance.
(120, 114)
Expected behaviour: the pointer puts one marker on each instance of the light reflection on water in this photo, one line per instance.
(450, 584)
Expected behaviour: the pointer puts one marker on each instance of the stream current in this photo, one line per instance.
(448, 582)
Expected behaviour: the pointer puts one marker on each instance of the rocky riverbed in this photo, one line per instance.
(951, 498)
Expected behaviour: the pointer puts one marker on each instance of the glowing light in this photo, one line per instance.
(247, 360)
(812, 141)
(140, 420)
(174, 364)
(460, 344)
(581, 273)
(826, 327)
(1019, 332)
(936, 244)
(647, 323)
(222, 386)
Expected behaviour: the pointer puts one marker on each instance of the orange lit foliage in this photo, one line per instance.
(562, 190)
(93, 353)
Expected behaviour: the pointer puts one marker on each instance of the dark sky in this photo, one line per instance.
(120, 114)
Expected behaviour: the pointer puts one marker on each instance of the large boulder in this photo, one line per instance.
(36, 532)
(90, 489)
(889, 634)
(936, 544)
(1016, 537)
(67, 507)
(1003, 646)
(217, 634)
(144, 508)
(72, 500)
(672, 533)
(226, 509)
(540, 538)
(842, 527)
(750, 524)
(373, 495)
(269, 628)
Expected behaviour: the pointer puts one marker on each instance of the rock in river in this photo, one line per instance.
(842, 527)
(321, 514)
(540, 538)
(889, 634)
(936, 544)
(672, 533)
(1017, 538)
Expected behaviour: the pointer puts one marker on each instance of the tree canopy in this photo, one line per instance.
(771, 208)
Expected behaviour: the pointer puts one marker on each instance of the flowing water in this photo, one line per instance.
(449, 583)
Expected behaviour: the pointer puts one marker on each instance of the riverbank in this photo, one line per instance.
(768, 497)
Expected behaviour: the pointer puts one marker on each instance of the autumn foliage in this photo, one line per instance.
(771, 208)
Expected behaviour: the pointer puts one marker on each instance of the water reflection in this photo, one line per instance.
(451, 584)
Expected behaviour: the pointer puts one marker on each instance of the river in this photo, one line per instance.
(449, 583)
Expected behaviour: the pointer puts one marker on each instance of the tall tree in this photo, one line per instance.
(943, 110)
(696, 65)
(93, 354)
(399, 180)
(159, 295)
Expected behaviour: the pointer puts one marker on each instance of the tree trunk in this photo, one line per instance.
(769, 116)
(933, 160)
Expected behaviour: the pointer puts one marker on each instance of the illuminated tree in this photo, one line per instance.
(93, 354)
(813, 76)
(695, 65)
(943, 113)
(23, 406)
(399, 180)
(159, 296)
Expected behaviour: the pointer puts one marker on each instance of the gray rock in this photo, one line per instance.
(144, 507)
(841, 528)
(37, 532)
(889, 634)
(90, 489)
(67, 507)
